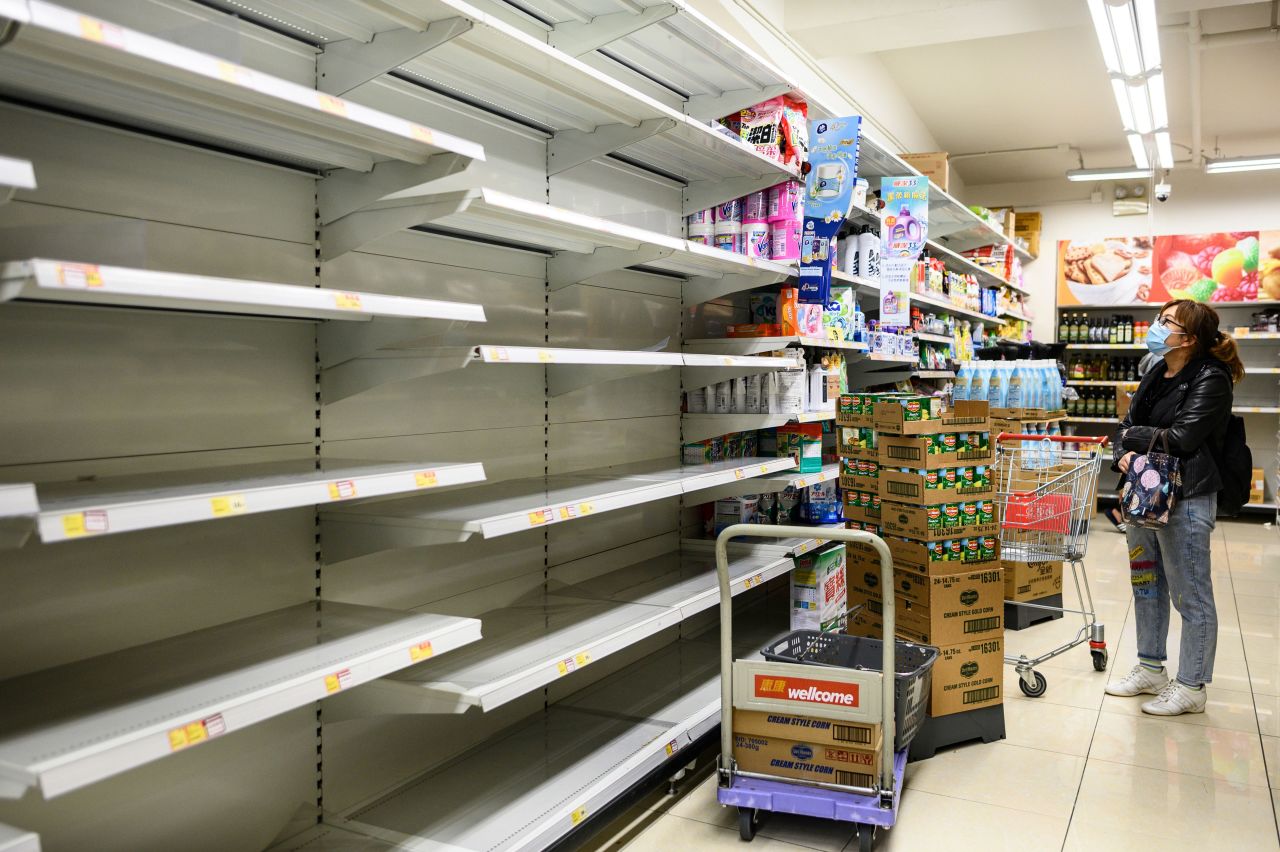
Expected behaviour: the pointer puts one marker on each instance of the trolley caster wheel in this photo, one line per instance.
(1034, 691)
(866, 837)
(748, 822)
(1099, 660)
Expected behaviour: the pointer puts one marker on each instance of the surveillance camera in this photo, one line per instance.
(1162, 191)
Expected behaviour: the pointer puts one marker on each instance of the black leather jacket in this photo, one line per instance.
(1194, 416)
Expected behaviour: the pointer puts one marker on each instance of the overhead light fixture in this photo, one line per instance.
(1138, 147)
(1242, 164)
(1117, 173)
(1129, 36)
(1164, 150)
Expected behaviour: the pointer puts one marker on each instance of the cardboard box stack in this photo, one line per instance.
(804, 747)
(936, 510)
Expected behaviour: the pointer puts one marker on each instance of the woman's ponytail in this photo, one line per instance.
(1224, 348)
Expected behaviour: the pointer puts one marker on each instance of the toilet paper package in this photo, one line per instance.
(755, 240)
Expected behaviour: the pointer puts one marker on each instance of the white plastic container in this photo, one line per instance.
(792, 385)
(724, 398)
(869, 255)
(755, 240)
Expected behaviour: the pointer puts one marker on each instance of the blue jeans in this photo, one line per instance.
(1173, 564)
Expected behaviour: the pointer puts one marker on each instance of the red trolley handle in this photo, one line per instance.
(1061, 439)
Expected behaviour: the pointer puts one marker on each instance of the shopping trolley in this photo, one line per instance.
(1045, 490)
(823, 675)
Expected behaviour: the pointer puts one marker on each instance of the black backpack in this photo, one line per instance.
(1235, 466)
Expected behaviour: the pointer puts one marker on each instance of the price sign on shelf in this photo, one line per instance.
(230, 504)
(332, 105)
(89, 522)
(101, 32)
(347, 301)
(426, 479)
(575, 510)
(342, 489)
(79, 276)
(539, 517)
(421, 651)
(194, 733)
(545, 356)
(739, 474)
(578, 815)
(422, 134)
(337, 681)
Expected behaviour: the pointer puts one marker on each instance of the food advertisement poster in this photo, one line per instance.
(903, 231)
(1226, 266)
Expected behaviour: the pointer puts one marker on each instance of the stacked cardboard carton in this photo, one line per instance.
(936, 510)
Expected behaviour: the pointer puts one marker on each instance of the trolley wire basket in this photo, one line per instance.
(1045, 490)
(912, 663)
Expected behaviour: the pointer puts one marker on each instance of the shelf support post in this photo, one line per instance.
(576, 38)
(711, 107)
(570, 148)
(346, 64)
(568, 268)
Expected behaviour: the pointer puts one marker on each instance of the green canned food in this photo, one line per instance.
(931, 479)
(986, 512)
(972, 550)
(969, 514)
(988, 547)
(955, 550)
(937, 551)
(951, 515)
(949, 475)
(934, 516)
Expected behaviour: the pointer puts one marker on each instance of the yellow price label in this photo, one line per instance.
(572, 664)
(739, 474)
(801, 483)
(347, 301)
(194, 733)
(79, 276)
(101, 32)
(426, 479)
(753, 581)
(579, 815)
(343, 489)
(332, 105)
(728, 362)
(582, 659)
(568, 513)
(672, 748)
(546, 357)
(498, 353)
(231, 504)
(422, 134)
(540, 517)
(764, 468)
(337, 681)
(421, 651)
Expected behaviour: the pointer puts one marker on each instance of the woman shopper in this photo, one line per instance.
(1187, 402)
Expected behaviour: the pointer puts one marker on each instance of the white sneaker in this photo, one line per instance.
(1139, 681)
(1176, 699)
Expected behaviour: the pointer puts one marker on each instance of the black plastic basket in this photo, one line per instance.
(913, 664)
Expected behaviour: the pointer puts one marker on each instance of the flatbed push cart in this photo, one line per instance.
(829, 676)
(1046, 488)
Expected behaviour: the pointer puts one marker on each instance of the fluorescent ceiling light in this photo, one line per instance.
(1118, 173)
(1141, 109)
(1243, 164)
(1164, 149)
(1098, 10)
(1125, 31)
(1148, 33)
(1159, 109)
(1138, 146)
(1121, 90)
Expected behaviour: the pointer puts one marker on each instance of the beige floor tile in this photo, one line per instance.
(1119, 798)
(1265, 585)
(1268, 714)
(700, 804)
(1250, 605)
(1264, 677)
(931, 822)
(671, 832)
(1085, 836)
(1073, 684)
(1035, 723)
(1027, 779)
(1227, 709)
(1271, 752)
(1234, 756)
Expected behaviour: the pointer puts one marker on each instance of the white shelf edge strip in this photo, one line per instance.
(94, 284)
(17, 174)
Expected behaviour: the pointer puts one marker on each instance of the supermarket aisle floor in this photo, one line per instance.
(1079, 770)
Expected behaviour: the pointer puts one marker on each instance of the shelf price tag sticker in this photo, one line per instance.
(422, 134)
(753, 581)
(801, 483)
(545, 356)
(541, 516)
(231, 504)
(79, 276)
(497, 353)
(235, 74)
(337, 681)
(572, 664)
(332, 105)
(739, 474)
(101, 32)
(672, 748)
(89, 522)
(194, 733)
(579, 815)
(347, 301)
(343, 489)
(426, 479)
(421, 651)
(568, 513)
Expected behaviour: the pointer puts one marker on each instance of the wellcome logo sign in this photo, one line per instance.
(807, 691)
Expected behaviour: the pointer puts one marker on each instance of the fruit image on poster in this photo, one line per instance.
(1218, 267)
(1112, 271)
(1269, 265)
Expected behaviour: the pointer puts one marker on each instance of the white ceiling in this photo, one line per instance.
(997, 74)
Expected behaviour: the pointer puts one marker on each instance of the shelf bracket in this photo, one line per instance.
(699, 427)
(705, 288)
(342, 341)
(570, 148)
(362, 374)
(565, 378)
(350, 539)
(711, 107)
(14, 532)
(701, 194)
(393, 215)
(10, 789)
(576, 38)
(344, 191)
(346, 64)
(568, 268)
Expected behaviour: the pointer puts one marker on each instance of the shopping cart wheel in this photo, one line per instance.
(1034, 691)
(748, 822)
(1099, 659)
(866, 836)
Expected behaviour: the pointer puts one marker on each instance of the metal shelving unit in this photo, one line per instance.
(146, 501)
(515, 506)
(947, 307)
(753, 345)
(15, 174)
(103, 715)
(16, 840)
(62, 58)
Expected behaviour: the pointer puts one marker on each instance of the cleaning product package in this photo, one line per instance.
(833, 161)
(784, 240)
(819, 594)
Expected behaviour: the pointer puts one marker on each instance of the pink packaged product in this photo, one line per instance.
(785, 201)
(755, 207)
(729, 211)
(762, 127)
(784, 240)
(755, 240)
(702, 217)
(810, 317)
